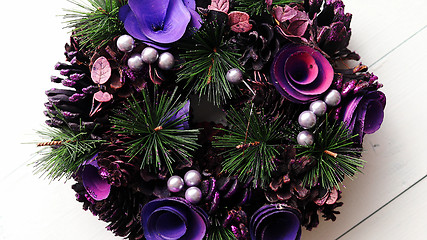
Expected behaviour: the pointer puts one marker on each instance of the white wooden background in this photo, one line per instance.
(388, 201)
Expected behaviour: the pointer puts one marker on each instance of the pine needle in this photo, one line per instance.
(63, 160)
(336, 156)
(252, 145)
(157, 138)
(208, 58)
(95, 23)
(258, 7)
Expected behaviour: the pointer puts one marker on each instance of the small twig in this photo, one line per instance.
(51, 143)
(247, 145)
(331, 153)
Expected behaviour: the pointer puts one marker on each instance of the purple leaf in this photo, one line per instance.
(220, 5)
(239, 22)
(102, 96)
(101, 71)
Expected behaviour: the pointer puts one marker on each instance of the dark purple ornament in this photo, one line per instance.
(275, 222)
(96, 185)
(301, 74)
(159, 23)
(173, 218)
(364, 114)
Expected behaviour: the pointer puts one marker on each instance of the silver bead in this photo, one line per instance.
(318, 107)
(125, 43)
(135, 62)
(234, 76)
(149, 55)
(305, 138)
(193, 195)
(166, 61)
(192, 178)
(333, 98)
(307, 119)
(175, 183)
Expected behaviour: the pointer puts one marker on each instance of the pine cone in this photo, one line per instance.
(114, 164)
(74, 103)
(333, 30)
(274, 104)
(121, 209)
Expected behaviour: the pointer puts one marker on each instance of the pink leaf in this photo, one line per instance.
(102, 96)
(219, 5)
(101, 71)
(239, 21)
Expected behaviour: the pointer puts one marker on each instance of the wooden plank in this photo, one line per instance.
(379, 26)
(403, 218)
(395, 153)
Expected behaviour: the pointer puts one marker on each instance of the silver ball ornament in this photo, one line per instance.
(192, 178)
(149, 55)
(125, 43)
(234, 76)
(166, 61)
(307, 119)
(175, 183)
(333, 98)
(305, 138)
(193, 195)
(318, 107)
(135, 62)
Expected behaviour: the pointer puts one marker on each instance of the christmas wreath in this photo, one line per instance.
(222, 119)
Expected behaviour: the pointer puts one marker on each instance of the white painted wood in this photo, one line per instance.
(32, 42)
(403, 218)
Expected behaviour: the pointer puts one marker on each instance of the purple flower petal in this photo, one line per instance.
(96, 186)
(196, 21)
(297, 77)
(364, 114)
(275, 222)
(150, 13)
(190, 4)
(169, 222)
(173, 218)
(169, 29)
(301, 68)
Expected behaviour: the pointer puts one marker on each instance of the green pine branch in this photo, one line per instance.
(95, 22)
(157, 137)
(68, 151)
(208, 58)
(252, 145)
(258, 7)
(219, 233)
(335, 153)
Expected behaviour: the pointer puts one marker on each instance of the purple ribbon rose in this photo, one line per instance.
(159, 22)
(275, 222)
(96, 185)
(173, 218)
(364, 114)
(301, 74)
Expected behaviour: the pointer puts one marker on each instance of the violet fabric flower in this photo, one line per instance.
(300, 73)
(182, 116)
(173, 218)
(96, 185)
(159, 23)
(275, 222)
(365, 113)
